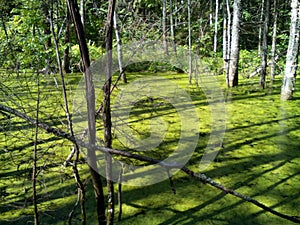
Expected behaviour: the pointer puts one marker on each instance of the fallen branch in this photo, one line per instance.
(199, 176)
(257, 70)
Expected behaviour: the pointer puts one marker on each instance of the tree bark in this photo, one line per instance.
(190, 43)
(35, 158)
(164, 26)
(107, 112)
(119, 49)
(265, 45)
(90, 94)
(235, 48)
(216, 27)
(67, 42)
(274, 39)
(226, 37)
(291, 65)
(260, 28)
(172, 30)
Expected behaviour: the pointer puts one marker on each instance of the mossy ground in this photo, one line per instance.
(259, 157)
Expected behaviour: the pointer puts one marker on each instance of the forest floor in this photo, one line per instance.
(259, 157)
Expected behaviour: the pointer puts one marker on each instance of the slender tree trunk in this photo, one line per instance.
(172, 31)
(80, 187)
(164, 26)
(226, 37)
(190, 43)
(90, 93)
(67, 42)
(107, 113)
(82, 12)
(216, 27)
(264, 55)
(291, 65)
(274, 38)
(261, 25)
(35, 158)
(47, 33)
(235, 48)
(119, 48)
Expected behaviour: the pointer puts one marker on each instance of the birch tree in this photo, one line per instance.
(235, 48)
(226, 36)
(265, 44)
(291, 64)
(274, 38)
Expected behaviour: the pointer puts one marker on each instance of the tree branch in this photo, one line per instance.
(199, 176)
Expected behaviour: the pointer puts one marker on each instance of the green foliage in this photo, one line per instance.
(94, 51)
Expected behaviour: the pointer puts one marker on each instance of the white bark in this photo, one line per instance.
(265, 45)
(261, 25)
(235, 39)
(190, 42)
(292, 54)
(274, 38)
(164, 26)
(216, 26)
(119, 49)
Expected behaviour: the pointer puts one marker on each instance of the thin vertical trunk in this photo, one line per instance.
(216, 27)
(172, 26)
(67, 42)
(274, 38)
(265, 45)
(107, 113)
(226, 37)
(190, 43)
(211, 13)
(119, 48)
(47, 33)
(82, 13)
(291, 65)
(34, 167)
(80, 187)
(90, 93)
(261, 25)
(235, 48)
(164, 26)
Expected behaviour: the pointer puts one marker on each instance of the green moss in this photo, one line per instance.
(259, 157)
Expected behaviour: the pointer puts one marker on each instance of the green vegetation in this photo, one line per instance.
(259, 157)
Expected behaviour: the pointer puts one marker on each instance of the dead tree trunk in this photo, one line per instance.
(107, 112)
(265, 45)
(90, 93)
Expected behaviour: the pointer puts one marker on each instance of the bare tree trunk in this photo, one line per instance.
(260, 28)
(80, 187)
(34, 167)
(67, 42)
(235, 48)
(90, 93)
(190, 43)
(82, 12)
(265, 45)
(291, 65)
(164, 26)
(47, 32)
(119, 48)
(216, 27)
(274, 38)
(226, 37)
(172, 26)
(107, 113)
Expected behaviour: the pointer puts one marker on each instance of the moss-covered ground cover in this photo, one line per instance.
(259, 157)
